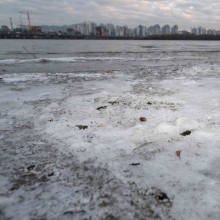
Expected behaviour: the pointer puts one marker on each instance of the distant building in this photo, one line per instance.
(98, 31)
(201, 30)
(193, 30)
(150, 31)
(119, 31)
(105, 33)
(110, 26)
(130, 32)
(140, 31)
(78, 27)
(111, 29)
(35, 29)
(198, 31)
(135, 32)
(85, 29)
(91, 28)
(101, 31)
(184, 32)
(144, 31)
(111, 33)
(126, 31)
(5, 28)
(73, 32)
(174, 29)
(165, 29)
(156, 30)
(212, 32)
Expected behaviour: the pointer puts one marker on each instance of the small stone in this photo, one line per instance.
(135, 164)
(186, 133)
(82, 127)
(51, 173)
(143, 119)
(102, 107)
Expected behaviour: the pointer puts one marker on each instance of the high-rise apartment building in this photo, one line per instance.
(198, 31)
(201, 30)
(126, 31)
(119, 31)
(150, 31)
(91, 27)
(174, 29)
(110, 27)
(130, 32)
(85, 28)
(165, 29)
(156, 30)
(139, 31)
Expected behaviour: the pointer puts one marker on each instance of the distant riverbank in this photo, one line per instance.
(69, 37)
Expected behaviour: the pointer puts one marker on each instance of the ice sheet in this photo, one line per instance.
(110, 104)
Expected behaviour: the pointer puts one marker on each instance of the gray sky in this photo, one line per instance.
(184, 13)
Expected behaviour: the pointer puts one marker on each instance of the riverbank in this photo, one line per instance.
(56, 36)
(124, 130)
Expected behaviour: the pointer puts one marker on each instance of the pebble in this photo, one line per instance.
(143, 119)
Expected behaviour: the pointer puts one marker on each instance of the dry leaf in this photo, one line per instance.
(178, 153)
(101, 126)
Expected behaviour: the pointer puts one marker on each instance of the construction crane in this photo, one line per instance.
(11, 23)
(31, 29)
(21, 20)
(28, 16)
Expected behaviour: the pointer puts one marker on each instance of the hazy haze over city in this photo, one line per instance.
(184, 13)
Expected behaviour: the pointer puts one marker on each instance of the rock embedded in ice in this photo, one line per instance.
(135, 164)
(186, 133)
(101, 107)
(82, 127)
(143, 119)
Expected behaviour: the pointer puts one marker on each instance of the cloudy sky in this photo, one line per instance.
(184, 13)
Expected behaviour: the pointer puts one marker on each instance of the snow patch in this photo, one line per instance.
(187, 123)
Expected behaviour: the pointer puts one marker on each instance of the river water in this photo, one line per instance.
(86, 55)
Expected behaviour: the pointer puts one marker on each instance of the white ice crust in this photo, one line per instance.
(116, 137)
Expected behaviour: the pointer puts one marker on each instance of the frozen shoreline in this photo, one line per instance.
(44, 109)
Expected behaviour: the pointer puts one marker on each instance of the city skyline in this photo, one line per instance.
(185, 13)
(91, 29)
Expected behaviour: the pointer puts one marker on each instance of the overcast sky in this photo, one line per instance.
(184, 13)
